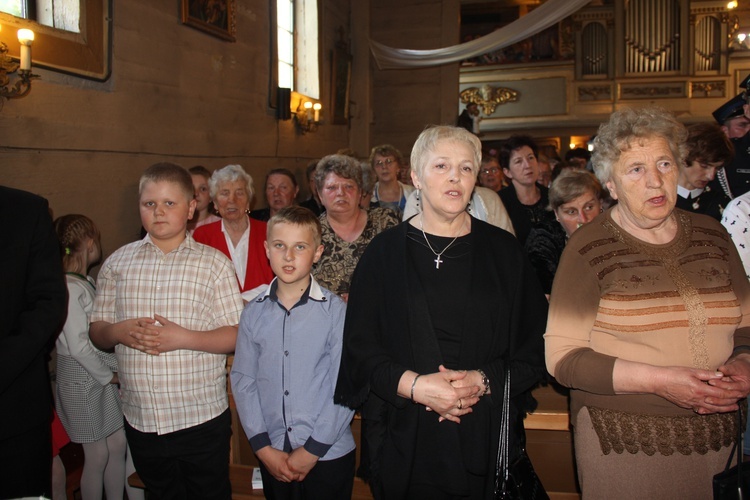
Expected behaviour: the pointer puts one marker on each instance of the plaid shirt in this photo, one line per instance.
(193, 286)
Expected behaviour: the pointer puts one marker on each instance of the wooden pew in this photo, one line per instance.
(549, 443)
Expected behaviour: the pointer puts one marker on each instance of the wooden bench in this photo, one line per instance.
(549, 443)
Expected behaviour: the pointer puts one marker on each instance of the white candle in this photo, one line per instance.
(25, 37)
(25, 57)
(317, 107)
(308, 110)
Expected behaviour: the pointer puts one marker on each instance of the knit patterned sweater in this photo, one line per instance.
(684, 303)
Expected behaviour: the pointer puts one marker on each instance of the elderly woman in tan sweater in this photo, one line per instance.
(649, 324)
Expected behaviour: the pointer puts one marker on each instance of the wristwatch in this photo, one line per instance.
(485, 381)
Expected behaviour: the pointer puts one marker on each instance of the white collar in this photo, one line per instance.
(315, 291)
(684, 192)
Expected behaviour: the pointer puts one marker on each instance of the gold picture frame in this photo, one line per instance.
(215, 17)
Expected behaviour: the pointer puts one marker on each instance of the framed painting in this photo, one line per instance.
(216, 17)
(341, 73)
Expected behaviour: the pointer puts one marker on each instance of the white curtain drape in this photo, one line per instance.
(544, 16)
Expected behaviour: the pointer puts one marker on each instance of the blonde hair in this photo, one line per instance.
(297, 216)
(429, 138)
(570, 184)
(72, 232)
(386, 150)
(168, 172)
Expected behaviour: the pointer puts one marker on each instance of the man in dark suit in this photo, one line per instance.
(33, 304)
(733, 116)
(468, 118)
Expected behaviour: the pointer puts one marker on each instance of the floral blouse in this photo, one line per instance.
(335, 268)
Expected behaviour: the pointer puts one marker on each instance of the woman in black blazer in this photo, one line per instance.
(439, 307)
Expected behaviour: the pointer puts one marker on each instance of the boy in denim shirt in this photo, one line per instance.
(285, 370)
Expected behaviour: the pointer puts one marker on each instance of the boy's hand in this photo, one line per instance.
(164, 337)
(131, 331)
(143, 335)
(275, 462)
(171, 335)
(106, 336)
(301, 462)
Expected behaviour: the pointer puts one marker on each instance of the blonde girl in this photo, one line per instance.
(88, 402)
(203, 214)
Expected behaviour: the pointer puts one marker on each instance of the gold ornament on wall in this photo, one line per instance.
(488, 97)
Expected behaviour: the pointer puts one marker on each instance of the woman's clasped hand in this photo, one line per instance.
(449, 393)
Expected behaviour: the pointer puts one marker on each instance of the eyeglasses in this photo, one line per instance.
(491, 170)
(385, 163)
(347, 187)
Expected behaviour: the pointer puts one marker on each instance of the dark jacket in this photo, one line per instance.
(711, 202)
(526, 217)
(544, 246)
(388, 330)
(33, 305)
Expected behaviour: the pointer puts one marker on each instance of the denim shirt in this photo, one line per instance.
(284, 373)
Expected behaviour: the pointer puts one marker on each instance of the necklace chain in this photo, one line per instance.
(437, 260)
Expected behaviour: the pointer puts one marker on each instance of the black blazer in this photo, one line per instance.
(33, 305)
(387, 331)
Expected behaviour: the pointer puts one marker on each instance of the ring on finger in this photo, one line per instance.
(460, 405)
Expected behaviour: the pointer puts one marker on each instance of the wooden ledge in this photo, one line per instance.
(552, 413)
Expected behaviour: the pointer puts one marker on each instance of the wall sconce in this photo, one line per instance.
(307, 116)
(740, 39)
(22, 85)
(737, 36)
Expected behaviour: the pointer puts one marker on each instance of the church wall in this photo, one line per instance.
(407, 100)
(175, 94)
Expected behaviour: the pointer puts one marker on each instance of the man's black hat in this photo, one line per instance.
(732, 108)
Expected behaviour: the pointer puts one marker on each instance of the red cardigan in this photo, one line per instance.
(258, 270)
